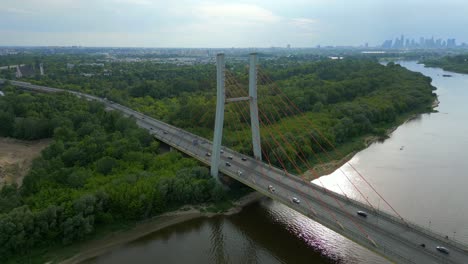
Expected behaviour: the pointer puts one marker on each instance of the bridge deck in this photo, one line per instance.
(380, 232)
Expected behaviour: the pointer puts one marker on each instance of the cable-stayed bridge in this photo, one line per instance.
(389, 235)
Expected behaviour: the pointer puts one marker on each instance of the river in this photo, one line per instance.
(421, 170)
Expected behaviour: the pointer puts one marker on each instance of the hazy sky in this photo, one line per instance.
(200, 23)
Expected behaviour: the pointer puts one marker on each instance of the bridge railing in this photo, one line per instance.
(429, 233)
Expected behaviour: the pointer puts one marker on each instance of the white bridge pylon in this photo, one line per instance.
(221, 100)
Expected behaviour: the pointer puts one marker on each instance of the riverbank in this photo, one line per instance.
(331, 166)
(97, 247)
(450, 66)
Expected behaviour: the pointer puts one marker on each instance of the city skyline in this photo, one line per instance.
(198, 23)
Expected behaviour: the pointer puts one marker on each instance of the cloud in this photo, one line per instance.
(303, 22)
(134, 2)
(235, 12)
(182, 23)
(14, 10)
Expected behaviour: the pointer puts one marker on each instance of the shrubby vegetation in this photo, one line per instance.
(100, 169)
(458, 63)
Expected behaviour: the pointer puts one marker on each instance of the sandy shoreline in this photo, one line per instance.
(112, 241)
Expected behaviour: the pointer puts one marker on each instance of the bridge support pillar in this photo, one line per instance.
(257, 151)
(220, 104)
(219, 119)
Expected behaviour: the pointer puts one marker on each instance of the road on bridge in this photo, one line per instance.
(394, 238)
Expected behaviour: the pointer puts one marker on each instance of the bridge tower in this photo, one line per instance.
(221, 101)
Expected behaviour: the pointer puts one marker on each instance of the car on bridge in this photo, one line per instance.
(208, 154)
(228, 164)
(295, 200)
(271, 188)
(230, 157)
(239, 173)
(244, 158)
(442, 249)
(361, 213)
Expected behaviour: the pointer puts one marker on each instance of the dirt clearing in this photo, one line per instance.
(16, 157)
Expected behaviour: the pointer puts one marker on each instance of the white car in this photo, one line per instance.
(271, 188)
(443, 250)
(295, 200)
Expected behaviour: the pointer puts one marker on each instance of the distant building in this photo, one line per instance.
(41, 69)
(387, 44)
(25, 71)
(451, 43)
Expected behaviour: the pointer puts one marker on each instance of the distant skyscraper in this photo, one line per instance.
(387, 44)
(425, 43)
(288, 46)
(451, 43)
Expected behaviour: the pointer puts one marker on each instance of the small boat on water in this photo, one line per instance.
(402, 147)
(446, 75)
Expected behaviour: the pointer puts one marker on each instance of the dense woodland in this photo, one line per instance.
(101, 168)
(458, 63)
(344, 99)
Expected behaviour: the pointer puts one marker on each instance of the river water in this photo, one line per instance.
(421, 170)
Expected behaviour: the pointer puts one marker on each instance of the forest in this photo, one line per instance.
(101, 168)
(344, 99)
(457, 63)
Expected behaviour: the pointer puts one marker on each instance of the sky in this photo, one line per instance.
(222, 23)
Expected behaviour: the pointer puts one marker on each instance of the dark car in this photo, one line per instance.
(164, 132)
(228, 164)
(361, 213)
(208, 154)
(244, 158)
(442, 249)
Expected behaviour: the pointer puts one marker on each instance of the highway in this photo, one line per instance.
(395, 239)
